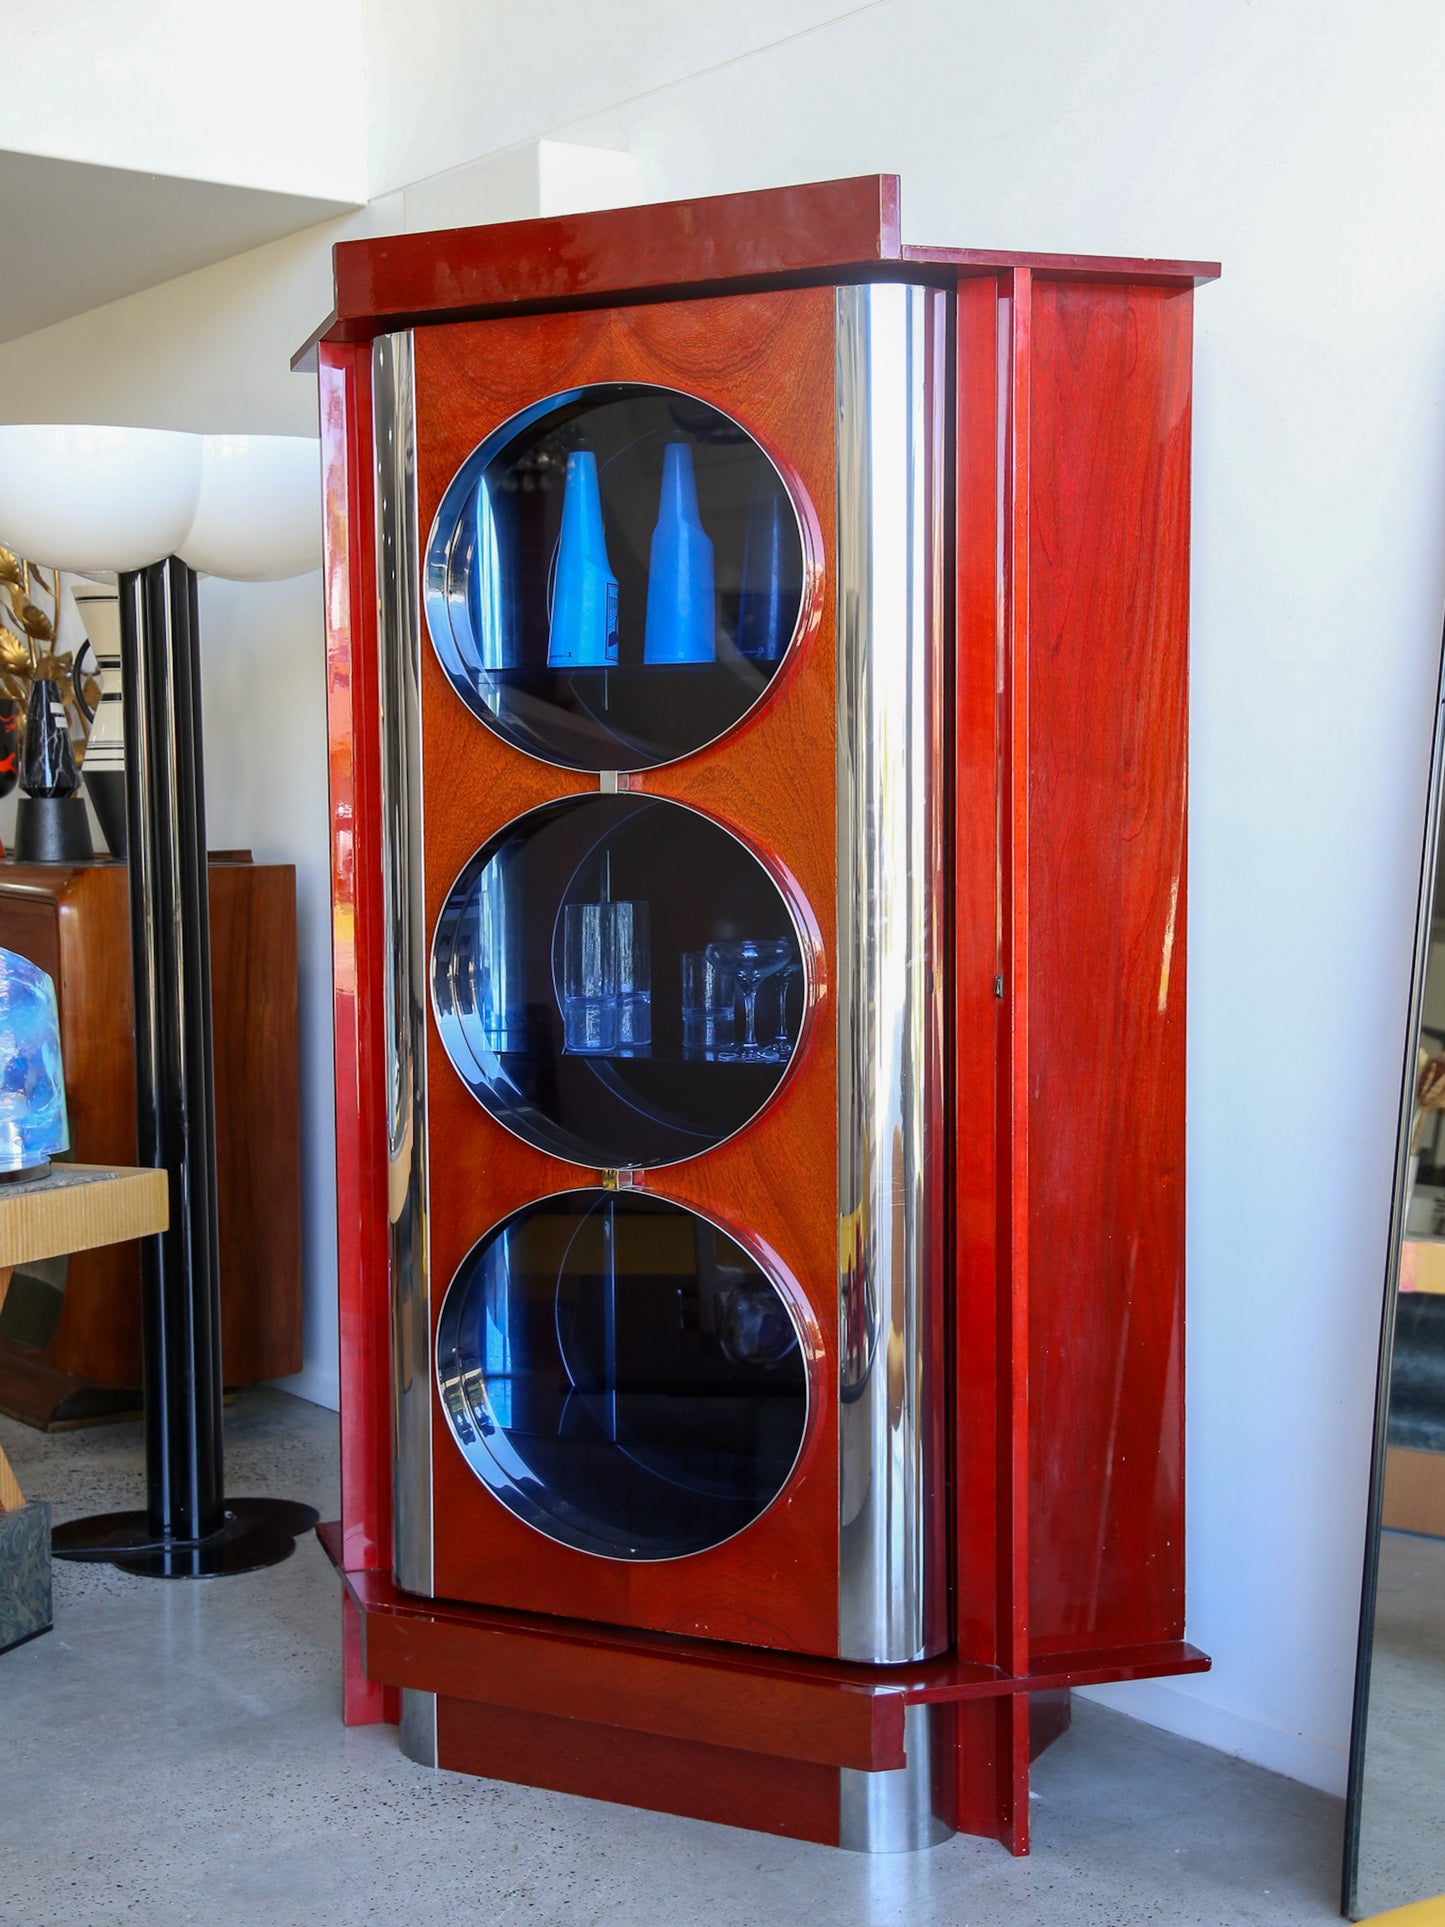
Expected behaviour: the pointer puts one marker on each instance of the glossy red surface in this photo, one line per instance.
(1103, 1107)
(982, 1388)
(362, 1240)
(402, 279)
(767, 1794)
(820, 231)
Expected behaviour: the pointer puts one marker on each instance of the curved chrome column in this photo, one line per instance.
(399, 669)
(891, 387)
(911, 1806)
(417, 1733)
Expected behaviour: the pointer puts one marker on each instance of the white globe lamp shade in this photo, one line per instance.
(84, 498)
(259, 515)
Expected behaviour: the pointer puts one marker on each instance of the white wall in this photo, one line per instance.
(1303, 143)
(209, 93)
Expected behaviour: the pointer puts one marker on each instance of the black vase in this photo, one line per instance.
(48, 766)
(51, 822)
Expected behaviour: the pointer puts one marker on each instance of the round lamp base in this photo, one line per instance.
(256, 1533)
(52, 829)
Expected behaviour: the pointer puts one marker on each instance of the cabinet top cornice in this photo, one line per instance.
(823, 231)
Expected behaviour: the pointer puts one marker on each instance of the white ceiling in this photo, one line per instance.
(76, 236)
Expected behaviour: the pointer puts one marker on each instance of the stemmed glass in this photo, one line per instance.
(782, 1046)
(752, 961)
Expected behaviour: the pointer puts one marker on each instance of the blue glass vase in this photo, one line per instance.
(33, 1122)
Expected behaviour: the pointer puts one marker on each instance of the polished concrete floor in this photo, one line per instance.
(173, 1753)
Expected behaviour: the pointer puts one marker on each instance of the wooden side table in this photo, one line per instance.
(71, 1207)
(73, 1355)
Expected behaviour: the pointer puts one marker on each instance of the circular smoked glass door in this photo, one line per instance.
(622, 1374)
(614, 577)
(618, 980)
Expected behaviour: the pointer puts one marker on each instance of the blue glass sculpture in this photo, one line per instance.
(33, 1124)
(681, 602)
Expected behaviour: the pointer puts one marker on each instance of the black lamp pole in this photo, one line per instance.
(189, 1529)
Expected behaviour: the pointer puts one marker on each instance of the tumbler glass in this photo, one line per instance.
(591, 1006)
(634, 978)
(709, 1008)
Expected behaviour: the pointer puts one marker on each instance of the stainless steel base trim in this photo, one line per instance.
(907, 1809)
(417, 1733)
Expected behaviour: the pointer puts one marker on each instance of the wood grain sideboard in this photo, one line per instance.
(70, 1336)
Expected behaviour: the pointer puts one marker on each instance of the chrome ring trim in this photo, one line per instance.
(891, 497)
(458, 1408)
(799, 915)
(405, 954)
(465, 479)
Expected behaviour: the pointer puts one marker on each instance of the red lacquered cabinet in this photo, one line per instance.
(758, 670)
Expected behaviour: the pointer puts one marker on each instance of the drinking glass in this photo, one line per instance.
(709, 1007)
(591, 1006)
(634, 979)
(752, 960)
(782, 1045)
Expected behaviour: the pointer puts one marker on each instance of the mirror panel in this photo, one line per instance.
(1394, 1837)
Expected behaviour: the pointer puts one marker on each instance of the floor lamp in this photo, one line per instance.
(159, 508)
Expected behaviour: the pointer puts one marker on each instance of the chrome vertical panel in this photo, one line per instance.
(911, 1806)
(417, 1735)
(399, 668)
(891, 388)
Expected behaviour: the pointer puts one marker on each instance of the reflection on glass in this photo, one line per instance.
(591, 973)
(1395, 1839)
(622, 1375)
(614, 577)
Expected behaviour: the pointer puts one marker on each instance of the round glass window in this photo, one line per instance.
(622, 1375)
(618, 980)
(614, 577)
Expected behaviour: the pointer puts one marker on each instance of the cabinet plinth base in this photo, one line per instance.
(881, 1758)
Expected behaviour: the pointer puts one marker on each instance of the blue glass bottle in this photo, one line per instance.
(681, 599)
(583, 633)
(768, 602)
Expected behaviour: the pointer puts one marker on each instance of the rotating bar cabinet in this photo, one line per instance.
(757, 674)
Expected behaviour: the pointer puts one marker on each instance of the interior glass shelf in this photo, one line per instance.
(614, 577)
(618, 980)
(622, 1375)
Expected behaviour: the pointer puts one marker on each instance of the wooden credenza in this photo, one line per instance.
(70, 1340)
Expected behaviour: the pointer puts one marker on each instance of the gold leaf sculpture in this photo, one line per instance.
(31, 656)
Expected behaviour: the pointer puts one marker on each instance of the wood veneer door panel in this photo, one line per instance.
(767, 360)
(1108, 668)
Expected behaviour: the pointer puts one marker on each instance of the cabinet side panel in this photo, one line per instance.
(357, 955)
(1107, 741)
